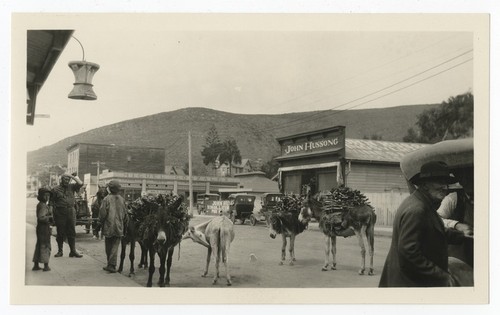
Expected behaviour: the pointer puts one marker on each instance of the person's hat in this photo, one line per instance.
(434, 171)
(114, 186)
(65, 175)
(42, 191)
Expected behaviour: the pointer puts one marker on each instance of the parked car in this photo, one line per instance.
(241, 206)
(459, 156)
(204, 201)
(268, 202)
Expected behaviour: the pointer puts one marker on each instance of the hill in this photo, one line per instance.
(254, 134)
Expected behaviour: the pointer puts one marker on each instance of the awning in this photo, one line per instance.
(308, 166)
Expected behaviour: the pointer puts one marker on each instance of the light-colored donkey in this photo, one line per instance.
(216, 235)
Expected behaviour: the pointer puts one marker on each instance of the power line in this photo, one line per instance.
(368, 71)
(374, 99)
(375, 92)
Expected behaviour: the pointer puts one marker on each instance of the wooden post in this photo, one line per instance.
(190, 176)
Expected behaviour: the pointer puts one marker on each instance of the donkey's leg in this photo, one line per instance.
(283, 249)
(169, 264)
(292, 249)
(122, 254)
(327, 253)
(334, 252)
(152, 254)
(209, 256)
(361, 235)
(216, 253)
(225, 259)
(370, 234)
(131, 256)
(163, 256)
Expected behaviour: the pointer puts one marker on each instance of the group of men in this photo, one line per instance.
(109, 211)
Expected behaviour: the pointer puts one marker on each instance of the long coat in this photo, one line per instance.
(418, 256)
(112, 215)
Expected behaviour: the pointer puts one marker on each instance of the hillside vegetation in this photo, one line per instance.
(254, 134)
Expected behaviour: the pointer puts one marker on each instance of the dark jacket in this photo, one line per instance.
(418, 256)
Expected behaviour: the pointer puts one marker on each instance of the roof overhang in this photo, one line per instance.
(43, 50)
(455, 153)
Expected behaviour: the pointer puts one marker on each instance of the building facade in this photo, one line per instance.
(86, 158)
(325, 159)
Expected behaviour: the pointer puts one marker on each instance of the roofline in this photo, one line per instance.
(111, 145)
(310, 133)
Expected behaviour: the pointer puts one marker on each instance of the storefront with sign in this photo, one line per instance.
(314, 158)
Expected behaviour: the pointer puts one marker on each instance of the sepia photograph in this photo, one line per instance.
(249, 158)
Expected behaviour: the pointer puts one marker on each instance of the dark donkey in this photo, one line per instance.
(137, 211)
(161, 232)
(284, 220)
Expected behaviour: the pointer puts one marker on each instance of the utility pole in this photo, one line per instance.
(98, 163)
(190, 176)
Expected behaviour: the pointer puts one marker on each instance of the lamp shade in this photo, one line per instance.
(84, 72)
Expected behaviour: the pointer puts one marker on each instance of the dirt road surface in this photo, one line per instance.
(262, 272)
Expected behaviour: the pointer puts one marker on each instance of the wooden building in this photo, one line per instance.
(324, 159)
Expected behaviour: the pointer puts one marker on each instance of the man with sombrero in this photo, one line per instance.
(418, 256)
(63, 201)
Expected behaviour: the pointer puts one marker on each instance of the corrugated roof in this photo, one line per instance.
(379, 151)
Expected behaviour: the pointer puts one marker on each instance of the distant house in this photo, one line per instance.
(174, 170)
(244, 167)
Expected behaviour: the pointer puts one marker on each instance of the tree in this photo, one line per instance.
(453, 119)
(270, 168)
(213, 147)
(230, 153)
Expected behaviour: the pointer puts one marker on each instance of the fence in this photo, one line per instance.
(385, 205)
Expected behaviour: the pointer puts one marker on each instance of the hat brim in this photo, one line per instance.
(447, 179)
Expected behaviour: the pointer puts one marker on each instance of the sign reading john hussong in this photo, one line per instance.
(313, 158)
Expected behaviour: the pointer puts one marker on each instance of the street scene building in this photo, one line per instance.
(325, 159)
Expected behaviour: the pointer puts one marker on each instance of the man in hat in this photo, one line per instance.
(418, 255)
(112, 216)
(452, 209)
(63, 203)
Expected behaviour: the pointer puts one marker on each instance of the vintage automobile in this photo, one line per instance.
(268, 202)
(241, 206)
(83, 215)
(204, 201)
(459, 156)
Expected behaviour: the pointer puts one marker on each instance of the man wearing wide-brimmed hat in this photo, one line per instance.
(63, 202)
(418, 256)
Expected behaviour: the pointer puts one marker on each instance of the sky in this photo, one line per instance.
(153, 68)
(123, 95)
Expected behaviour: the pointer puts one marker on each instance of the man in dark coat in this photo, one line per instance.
(63, 202)
(418, 256)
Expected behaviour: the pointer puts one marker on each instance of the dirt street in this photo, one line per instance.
(264, 272)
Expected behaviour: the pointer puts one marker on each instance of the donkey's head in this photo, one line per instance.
(196, 236)
(273, 223)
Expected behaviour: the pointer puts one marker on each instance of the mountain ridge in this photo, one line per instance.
(255, 134)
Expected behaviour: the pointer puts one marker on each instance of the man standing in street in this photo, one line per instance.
(418, 256)
(63, 202)
(112, 217)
